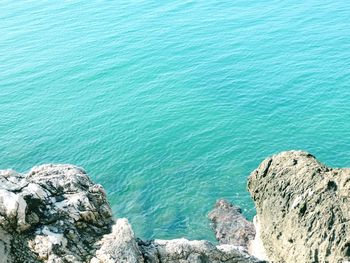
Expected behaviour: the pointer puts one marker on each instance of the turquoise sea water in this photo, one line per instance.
(171, 104)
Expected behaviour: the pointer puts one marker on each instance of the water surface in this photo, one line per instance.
(171, 104)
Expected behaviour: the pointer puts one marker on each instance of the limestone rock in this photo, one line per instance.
(197, 251)
(230, 226)
(52, 214)
(302, 208)
(119, 246)
(56, 214)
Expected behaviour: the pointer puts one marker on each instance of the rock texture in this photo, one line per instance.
(230, 226)
(303, 209)
(56, 214)
(52, 214)
(119, 246)
(185, 251)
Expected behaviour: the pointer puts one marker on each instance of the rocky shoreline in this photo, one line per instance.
(55, 214)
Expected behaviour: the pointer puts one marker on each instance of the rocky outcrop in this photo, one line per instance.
(52, 214)
(230, 226)
(185, 251)
(119, 246)
(56, 214)
(303, 209)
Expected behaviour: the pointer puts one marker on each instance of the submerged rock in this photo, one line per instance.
(303, 209)
(55, 213)
(230, 226)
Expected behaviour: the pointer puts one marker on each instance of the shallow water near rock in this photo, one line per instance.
(170, 105)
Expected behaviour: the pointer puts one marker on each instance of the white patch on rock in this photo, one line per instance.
(119, 246)
(55, 238)
(43, 244)
(13, 206)
(300, 198)
(73, 203)
(35, 190)
(256, 247)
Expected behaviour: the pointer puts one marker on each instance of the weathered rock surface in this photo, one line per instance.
(185, 251)
(303, 209)
(119, 246)
(56, 214)
(52, 214)
(230, 226)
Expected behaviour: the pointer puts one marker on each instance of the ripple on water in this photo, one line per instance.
(170, 106)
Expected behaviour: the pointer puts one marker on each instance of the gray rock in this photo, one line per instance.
(303, 210)
(197, 251)
(230, 226)
(119, 246)
(56, 214)
(52, 214)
